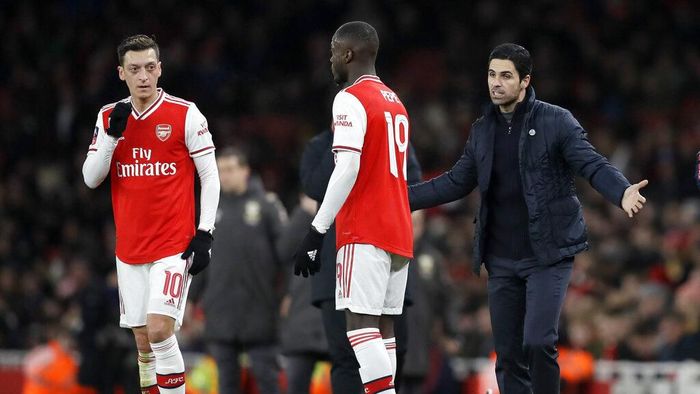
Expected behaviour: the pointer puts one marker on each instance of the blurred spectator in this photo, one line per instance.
(240, 292)
(52, 368)
(675, 342)
(303, 339)
(427, 316)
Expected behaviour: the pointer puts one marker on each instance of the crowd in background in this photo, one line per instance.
(259, 71)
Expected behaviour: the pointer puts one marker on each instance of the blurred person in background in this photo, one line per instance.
(677, 340)
(150, 144)
(523, 154)
(52, 367)
(240, 294)
(427, 316)
(302, 336)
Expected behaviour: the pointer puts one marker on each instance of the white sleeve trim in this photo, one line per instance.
(349, 122)
(99, 158)
(342, 180)
(210, 188)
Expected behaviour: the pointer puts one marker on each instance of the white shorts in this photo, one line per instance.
(159, 287)
(370, 280)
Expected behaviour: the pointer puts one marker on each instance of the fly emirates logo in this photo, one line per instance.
(142, 165)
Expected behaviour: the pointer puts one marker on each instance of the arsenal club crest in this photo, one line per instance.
(163, 131)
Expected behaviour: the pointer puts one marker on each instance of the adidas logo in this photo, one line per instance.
(170, 302)
(312, 254)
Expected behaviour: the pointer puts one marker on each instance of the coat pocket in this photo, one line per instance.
(568, 227)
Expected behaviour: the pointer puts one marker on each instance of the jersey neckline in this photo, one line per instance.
(367, 77)
(151, 108)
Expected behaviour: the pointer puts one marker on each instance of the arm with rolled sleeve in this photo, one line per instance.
(587, 162)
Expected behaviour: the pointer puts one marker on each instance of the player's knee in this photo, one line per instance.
(386, 326)
(141, 337)
(160, 329)
(356, 321)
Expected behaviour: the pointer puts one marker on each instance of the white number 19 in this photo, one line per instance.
(394, 128)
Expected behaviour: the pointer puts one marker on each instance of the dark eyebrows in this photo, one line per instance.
(133, 65)
(506, 72)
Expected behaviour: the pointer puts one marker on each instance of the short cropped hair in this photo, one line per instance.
(515, 53)
(360, 32)
(139, 42)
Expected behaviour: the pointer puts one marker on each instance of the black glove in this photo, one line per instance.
(697, 170)
(307, 259)
(200, 245)
(117, 119)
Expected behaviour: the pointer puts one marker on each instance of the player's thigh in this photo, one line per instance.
(396, 288)
(169, 284)
(362, 276)
(133, 284)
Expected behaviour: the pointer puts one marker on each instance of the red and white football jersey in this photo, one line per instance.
(152, 177)
(369, 118)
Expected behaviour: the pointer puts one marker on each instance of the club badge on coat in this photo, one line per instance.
(252, 213)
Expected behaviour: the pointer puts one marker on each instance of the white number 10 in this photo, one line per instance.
(394, 128)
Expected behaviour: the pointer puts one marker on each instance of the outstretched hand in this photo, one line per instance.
(632, 200)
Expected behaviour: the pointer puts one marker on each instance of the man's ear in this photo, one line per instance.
(348, 56)
(120, 71)
(525, 82)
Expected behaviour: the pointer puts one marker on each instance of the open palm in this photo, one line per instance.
(632, 200)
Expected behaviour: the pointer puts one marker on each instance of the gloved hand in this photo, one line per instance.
(200, 245)
(117, 119)
(307, 259)
(697, 170)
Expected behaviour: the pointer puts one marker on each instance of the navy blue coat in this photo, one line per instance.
(553, 148)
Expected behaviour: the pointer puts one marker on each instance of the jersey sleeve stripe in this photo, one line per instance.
(201, 150)
(92, 150)
(350, 148)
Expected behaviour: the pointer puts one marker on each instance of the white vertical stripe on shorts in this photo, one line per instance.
(370, 280)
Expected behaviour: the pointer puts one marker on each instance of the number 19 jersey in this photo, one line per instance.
(369, 118)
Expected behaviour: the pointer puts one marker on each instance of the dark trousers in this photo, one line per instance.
(263, 365)
(299, 369)
(345, 374)
(525, 301)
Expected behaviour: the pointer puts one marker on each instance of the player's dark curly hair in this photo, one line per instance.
(138, 42)
(515, 53)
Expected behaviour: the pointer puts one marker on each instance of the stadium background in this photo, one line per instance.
(628, 70)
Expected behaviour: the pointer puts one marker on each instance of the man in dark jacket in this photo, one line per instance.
(315, 170)
(241, 291)
(302, 335)
(523, 154)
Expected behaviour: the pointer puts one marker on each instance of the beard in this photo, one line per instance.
(504, 101)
